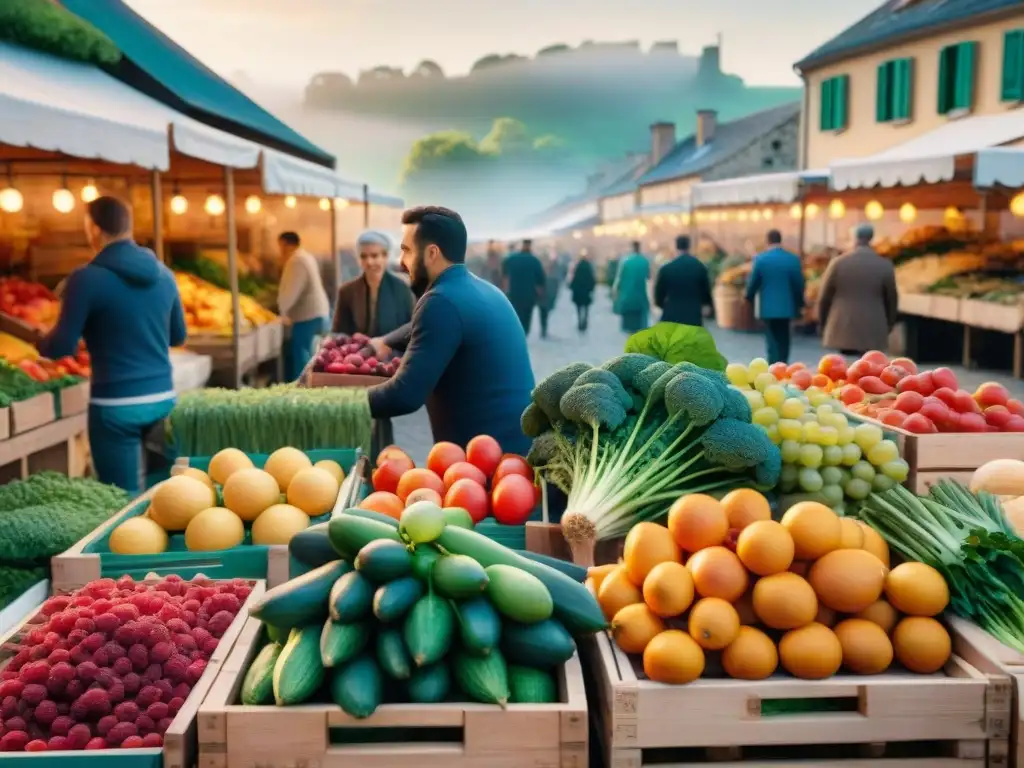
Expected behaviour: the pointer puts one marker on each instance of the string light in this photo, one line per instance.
(685, 218)
(768, 214)
(214, 205)
(289, 201)
(340, 203)
(755, 215)
(577, 235)
(89, 192)
(63, 200)
(325, 204)
(836, 209)
(179, 204)
(253, 204)
(796, 211)
(874, 210)
(742, 216)
(811, 211)
(11, 200)
(953, 214)
(908, 213)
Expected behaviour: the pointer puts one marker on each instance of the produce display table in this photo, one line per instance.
(221, 350)
(456, 735)
(732, 311)
(270, 346)
(25, 605)
(190, 370)
(46, 444)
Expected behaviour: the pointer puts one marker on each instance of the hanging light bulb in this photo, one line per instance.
(253, 204)
(577, 235)
(755, 215)
(836, 209)
(214, 205)
(289, 201)
(658, 220)
(953, 215)
(685, 218)
(811, 210)
(63, 200)
(767, 214)
(325, 204)
(89, 192)
(742, 216)
(908, 213)
(179, 204)
(340, 203)
(11, 200)
(874, 210)
(796, 211)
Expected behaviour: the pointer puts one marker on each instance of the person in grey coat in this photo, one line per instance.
(378, 301)
(857, 307)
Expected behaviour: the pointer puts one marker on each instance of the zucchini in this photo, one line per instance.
(458, 517)
(276, 635)
(393, 656)
(430, 685)
(479, 625)
(340, 643)
(428, 629)
(358, 687)
(369, 514)
(351, 598)
(384, 560)
(531, 686)
(299, 672)
(459, 577)
(312, 547)
(393, 600)
(482, 678)
(423, 561)
(518, 595)
(575, 572)
(258, 684)
(350, 533)
(544, 644)
(302, 600)
(575, 606)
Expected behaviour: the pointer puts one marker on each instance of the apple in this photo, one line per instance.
(991, 393)
(920, 425)
(972, 422)
(1014, 424)
(905, 363)
(875, 358)
(893, 374)
(944, 377)
(997, 415)
(909, 401)
(833, 366)
(336, 368)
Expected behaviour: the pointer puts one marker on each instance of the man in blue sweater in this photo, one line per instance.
(125, 304)
(466, 357)
(776, 282)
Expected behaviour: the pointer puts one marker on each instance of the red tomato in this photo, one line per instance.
(513, 500)
(484, 453)
(470, 496)
(876, 358)
(384, 503)
(393, 452)
(442, 456)
(944, 377)
(511, 464)
(464, 470)
(919, 424)
(415, 479)
(386, 475)
(424, 494)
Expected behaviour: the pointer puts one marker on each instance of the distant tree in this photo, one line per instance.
(549, 143)
(507, 136)
(428, 69)
(380, 74)
(489, 61)
(440, 151)
(554, 49)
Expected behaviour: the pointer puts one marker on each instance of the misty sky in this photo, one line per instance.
(283, 42)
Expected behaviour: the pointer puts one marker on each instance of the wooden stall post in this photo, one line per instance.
(366, 206)
(335, 255)
(158, 215)
(236, 311)
(802, 237)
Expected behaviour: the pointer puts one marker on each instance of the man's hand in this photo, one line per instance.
(382, 350)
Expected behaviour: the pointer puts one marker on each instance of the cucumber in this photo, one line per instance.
(392, 655)
(384, 560)
(350, 533)
(459, 577)
(531, 686)
(428, 629)
(369, 514)
(358, 687)
(340, 643)
(430, 685)
(575, 572)
(276, 635)
(423, 560)
(393, 600)
(351, 598)
(575, 606)
(258, 684)
(544, 644)
(312, 546)
(458, 517)
(300, 601)
(482, 678)
(518, 595)
(299, 673)
(479, 625)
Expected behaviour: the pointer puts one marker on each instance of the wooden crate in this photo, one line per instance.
(180, 740)
(32, 413)
(53, 446)
(732, 311)
(954, 719)
(221, 350)
(992, 316)
(5, 423)
(74, 399)
(454, 735)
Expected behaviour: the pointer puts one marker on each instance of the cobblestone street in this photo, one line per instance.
(605, 339)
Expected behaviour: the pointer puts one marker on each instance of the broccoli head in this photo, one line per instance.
(767, 473)
(544, 450)
(736, 405)
(601, 376)
(627, 366)
(593, 404)
(694, 397)
(737, 445)
(548, 393)
(533, 421)
(644, 381)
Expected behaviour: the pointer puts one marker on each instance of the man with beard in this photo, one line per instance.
(466, 357)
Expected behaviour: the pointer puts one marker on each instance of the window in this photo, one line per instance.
(956, 77)
(834, 101)
(895, 93)
(1013, 66)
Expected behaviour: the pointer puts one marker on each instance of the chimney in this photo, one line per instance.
(706, 120)
(663, 138)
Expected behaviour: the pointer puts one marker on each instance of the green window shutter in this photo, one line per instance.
(963, 89)
(840, 102)
(825, 121)
(1013, 66)
(884, 93)
(945, 79)
(902, 89)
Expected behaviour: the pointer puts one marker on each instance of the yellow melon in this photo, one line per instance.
(277, 524)
(874, 543)
(198, 474)
(250, 491)
(333, 467)
(647, 545)
(314, 491)
(138, 536)
(668, 589)
(617, 591)
(177, 500)
(713, 623)
(226, 462)
(284, 464)
(214, 529)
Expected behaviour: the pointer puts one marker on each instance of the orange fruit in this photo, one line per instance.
(596, 575)
(765, 547)
(634, 626)
(668, 589)
(848, 580)
(815, 529)
(647, 545)
(784, 601)
(751, 656)
(745, 506)
(717, 572)
(713, 623)
(852, 534)
(881, 613)
(697, 521)
(921, 644)
(745, 608)
(383, 502)
(617, 591)
(417, 478)
(866, 648)
(874, 543)
(424, 494)
(674, 658)
(917, 589)
(811, 653)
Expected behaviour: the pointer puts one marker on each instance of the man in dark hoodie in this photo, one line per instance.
(125, 304)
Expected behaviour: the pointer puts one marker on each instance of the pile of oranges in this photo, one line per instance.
(812, 592)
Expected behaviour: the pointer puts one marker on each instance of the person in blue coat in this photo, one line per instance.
(682, 288)
(125, 304)
(524, 282)
(629, 291)
(466, 358)
(777, 284)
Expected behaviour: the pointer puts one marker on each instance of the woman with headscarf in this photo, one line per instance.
(378, 301)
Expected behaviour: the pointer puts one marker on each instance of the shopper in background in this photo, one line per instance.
(682, 288)
(546, 303)
(524, 281)
(378, 301)
(125, 304)
(492, 264)
(302, 302)
(857, 307)
(776, 287)
(582, 284)
(629, 292)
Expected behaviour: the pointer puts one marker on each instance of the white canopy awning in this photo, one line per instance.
(202, 142)
(1000, 166)
(781, 187)
(930, 158)
(664, 209)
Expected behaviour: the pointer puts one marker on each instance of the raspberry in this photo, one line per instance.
(78, 655)
(133, 742)
(122, 666)
(57, 744)
(101, 658)
(58, 655)
(39, 652)
(195, 671)
(223, 602)
(55, 688)
(185, 643)
(76, 636)
(120, 732)
(96, 743)
(21, 658)
(198, 655)
(178, 626)
(139, 656)
(15, 724)
(87, 625)
(173, 706)
(11, 688)
(242, 593)
(148, 695)
(107, 623)
(105, 678)
(105, 724)
(114, 650)
(210, 646)
(163, 725)
(93, 642)
(61, 725)
(34, 672)
(74, 689)
(175, 667)
(63, 707)
(126, 711)
(64, 622)
(9, 706)
(161, 652)
(152, 740)
(95, 700)
(87, 671)
(125, 612)
(174, 578)
(102, 605)
(166, 689)
(116, 692)
(128, 633)
(194, 593)
(191, 605)
(182, 690)
(155, 633)
(153, 673)
(158, 710)
(46, 712)
(36, 745)
(14, 741)
(126, 582)
(36, 636)
(79, 736)
(168, 612)
(145, 724)
(189, 618)
(33, 694)
(82, 600)
(132, 683)
(55, 605)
